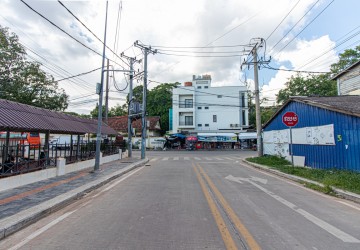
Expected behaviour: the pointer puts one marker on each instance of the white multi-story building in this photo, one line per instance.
(198, 107)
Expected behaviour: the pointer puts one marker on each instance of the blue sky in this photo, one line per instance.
(184, 23)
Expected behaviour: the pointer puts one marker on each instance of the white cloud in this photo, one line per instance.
(166, 23)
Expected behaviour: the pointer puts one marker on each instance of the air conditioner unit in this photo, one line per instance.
(237, 125)
(232, 125)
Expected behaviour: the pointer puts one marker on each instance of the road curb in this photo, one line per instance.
(24, 218)
(338, 192)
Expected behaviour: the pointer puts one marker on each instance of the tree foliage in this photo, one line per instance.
(22, 80)
(118, 110)
(346, 59)
(159, 102)
(320, 85)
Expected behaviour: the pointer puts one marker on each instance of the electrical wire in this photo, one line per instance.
(208, 56)
(283, 20)
(117, 29)
(71, 13)
(298, 71)
(81, 74)
(305, 27)
(66, 32)
(294, 25)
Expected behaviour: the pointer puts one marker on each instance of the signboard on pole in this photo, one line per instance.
(290, 119)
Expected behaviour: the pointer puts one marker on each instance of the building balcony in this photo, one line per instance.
(186, 106)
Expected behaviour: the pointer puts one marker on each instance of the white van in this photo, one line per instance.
(63, 141)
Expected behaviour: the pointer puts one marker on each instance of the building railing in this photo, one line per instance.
(28, 158)
(186, 124)
(186, 106)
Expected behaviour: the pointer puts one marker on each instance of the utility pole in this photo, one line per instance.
(257, 104)
(107, 93)
(256, 63)
(146, 50)
(132, 60)
(98, 135)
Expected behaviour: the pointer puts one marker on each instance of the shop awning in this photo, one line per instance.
(217, 137)
(247, 135)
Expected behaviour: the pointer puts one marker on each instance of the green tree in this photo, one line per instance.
(347, 58)
(322, 84)
(119, 110)
(298, 85)
(159, 102)
(23, 81)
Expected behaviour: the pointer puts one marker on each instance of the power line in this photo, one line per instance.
(283, 20)
(305, 27)
(81, 74)
(333, 47)
(184, 55)
(204, 52)
(202, 47)
(91, 32)
(117, 29)
(65, 31)
(299, 71)
(294, 25)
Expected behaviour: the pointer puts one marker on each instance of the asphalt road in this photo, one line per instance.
(197, 200)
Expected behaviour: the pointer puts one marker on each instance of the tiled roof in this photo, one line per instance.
(120, 123)
(21, 117)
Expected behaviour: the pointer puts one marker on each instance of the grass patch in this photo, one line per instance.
(342, 179)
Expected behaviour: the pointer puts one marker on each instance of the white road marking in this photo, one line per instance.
(228, 158)
(186, 158)
(122, 179)
(176, 158)
(165, 158)
(324, 225)
(153, 159)
(197, 158)
(208, 159)
(41, 230)
(219, 159)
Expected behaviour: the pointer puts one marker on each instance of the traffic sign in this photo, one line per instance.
(290, 119)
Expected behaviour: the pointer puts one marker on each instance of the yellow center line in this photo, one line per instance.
(225, 234)
(234, 218)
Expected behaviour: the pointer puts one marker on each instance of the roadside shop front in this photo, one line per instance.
(217, 141)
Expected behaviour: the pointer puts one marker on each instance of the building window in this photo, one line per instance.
(206, 107)
(219, 96)
(206, 87)
(188, 120)
(199, 87)
(188, 103)
(199, 125)
(243, 118)
(206, 125)
(199, 108)
(214, 118)
(243, 100)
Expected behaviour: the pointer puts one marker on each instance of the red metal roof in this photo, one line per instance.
(21, 117)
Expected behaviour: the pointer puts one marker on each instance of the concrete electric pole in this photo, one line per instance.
(256, 63)
(132, 60)
(98, 135)
(146, 51)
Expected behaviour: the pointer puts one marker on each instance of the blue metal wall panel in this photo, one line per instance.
(344, 155)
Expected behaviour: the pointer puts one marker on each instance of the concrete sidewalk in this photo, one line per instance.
(22, 206)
